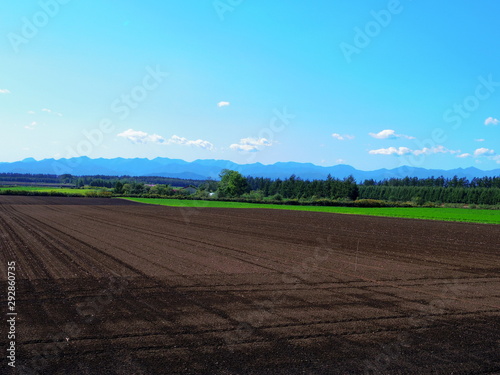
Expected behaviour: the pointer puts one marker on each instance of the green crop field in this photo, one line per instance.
(446, 214)
(47, 189)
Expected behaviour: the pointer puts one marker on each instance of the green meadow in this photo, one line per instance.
(446, 214)
(46, 189)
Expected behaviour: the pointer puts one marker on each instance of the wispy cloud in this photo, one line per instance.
(405, 151)
(140, 137)
(389, 134)
(483, 151)
(391, 151)
(197, 143)
(480, 152)
(342, 137)
(4, 91)
(435, 150)
(31, 112)
(251, 144)
(479, 140)
(31, 126)
(223, 104)
(49, 111)
(491, 121)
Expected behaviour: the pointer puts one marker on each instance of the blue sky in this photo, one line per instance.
(372, 84)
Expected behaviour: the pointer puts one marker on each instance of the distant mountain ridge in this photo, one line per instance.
(204, 168)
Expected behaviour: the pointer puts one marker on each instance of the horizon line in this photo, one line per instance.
(303, 163)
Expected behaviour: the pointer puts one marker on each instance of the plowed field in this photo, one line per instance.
(113, 287)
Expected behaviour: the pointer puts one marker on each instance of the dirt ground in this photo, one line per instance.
(114, 287)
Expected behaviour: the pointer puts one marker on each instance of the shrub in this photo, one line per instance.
(429, 204)
(419, 201)
(104, 194)
(253, 195)
(369, 203)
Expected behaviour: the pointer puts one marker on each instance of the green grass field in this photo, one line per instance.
(446, 214)
(47, 189)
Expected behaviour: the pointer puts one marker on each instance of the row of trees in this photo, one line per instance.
(110, 181)
(422, 194)
(139, 188)
(297, 188)
(484, 190)
(19, 178)
(484, 182)
(232, 184)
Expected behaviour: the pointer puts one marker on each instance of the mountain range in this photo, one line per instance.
(202, 169)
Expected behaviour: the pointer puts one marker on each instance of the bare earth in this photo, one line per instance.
(114, 287)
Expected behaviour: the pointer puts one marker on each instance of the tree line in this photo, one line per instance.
(422, 194)
(482, 182)
(29, 178)
(110, 181)
(296, 188)
(479, 190)
(232, 185)
(485, 190)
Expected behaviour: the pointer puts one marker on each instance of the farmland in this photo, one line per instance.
(111, 286)
(446, 214)
(46, 189)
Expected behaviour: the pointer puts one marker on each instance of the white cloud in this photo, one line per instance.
(137, 136)
(31, 126)
(4, 91)
(435, 150)
(390, 151)
(478, 153)
(140, 137)
(31, 112)
(483, 151)
(184, 141)
(389, 134)
(49, 111)
(479, 140)
(342, 137)
(405, 150)
(240, 147)
(223, 104)
(340, 161)
(491, 121)
(250, 144)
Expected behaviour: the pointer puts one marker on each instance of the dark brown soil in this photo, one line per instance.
(113, 287)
